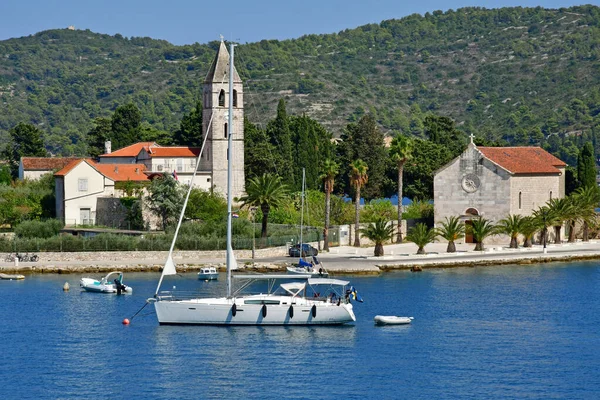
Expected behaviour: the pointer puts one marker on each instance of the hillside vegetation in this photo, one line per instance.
(514, 75)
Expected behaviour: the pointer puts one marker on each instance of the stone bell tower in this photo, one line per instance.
(216, 107)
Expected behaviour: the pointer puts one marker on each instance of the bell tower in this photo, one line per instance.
(216, 107)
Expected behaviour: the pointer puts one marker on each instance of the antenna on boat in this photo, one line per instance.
(230, 258)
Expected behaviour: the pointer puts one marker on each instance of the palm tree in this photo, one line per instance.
(588, 199)
(561, 210)
(452, 229)
(358, 178)
(378, 232)
(401, 152)
(265, 191)
(529, 227)
(330, 170)
(421, 235)
(481, 229)
(543, 219)
(511, 225)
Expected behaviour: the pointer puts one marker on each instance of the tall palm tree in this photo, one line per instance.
(511, 225)
(543, 219)
(330, 170)
(421, 235)
(588, 198)
(452, 229)
(378, 232)
(358, 178)
(481, 229)
(401, 152)
(529, 227)
(561, 210)
(265, 191)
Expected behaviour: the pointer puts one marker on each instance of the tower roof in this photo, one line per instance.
(219, 70)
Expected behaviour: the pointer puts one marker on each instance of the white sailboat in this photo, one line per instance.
(310, 302)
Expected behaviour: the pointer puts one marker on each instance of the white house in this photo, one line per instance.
(82, 183)
(179, 161)
(33, 168)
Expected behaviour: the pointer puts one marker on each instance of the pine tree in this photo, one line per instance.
(25, 141)
(125, 124)
(98, 135)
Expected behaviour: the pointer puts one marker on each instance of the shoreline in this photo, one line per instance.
(341, 261)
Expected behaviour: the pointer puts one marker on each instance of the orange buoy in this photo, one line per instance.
(125, 321)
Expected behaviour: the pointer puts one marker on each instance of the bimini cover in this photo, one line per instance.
(293, 288)
(325, 281)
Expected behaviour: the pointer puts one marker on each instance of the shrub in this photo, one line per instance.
(39, 229)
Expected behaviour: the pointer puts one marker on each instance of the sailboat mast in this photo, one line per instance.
(302, 211)
(229, 175)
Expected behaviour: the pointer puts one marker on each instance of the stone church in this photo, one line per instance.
(494, 182)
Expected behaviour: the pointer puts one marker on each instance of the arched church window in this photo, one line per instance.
(234, 98)
(222, 98)
(551, 195)
(472, 211)
(520, 200)
(225, 131)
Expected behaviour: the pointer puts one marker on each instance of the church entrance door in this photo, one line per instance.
(468, 232)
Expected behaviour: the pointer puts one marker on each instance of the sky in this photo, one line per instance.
(189, 21)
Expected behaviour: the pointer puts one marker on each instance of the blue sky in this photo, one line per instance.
(189, 21)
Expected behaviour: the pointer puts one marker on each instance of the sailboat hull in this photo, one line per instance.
(221, 312)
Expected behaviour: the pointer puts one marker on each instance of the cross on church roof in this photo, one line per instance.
(471, 136)
(222, 38)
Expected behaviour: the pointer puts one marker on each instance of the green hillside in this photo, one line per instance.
(521, 75)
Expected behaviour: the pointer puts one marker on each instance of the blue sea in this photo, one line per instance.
(506, 332)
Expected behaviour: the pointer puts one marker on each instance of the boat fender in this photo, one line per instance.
(291, 312)
(313, 311)
(233, 309)
(264, 310)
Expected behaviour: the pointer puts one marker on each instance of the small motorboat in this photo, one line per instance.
(9, 277)
(208, 274)
(314, 268)
(392, 320)
(106, 284)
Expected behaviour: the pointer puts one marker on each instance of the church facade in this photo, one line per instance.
(494, 182)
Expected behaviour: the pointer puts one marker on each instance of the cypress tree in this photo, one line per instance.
(278, 131)
(586, 166)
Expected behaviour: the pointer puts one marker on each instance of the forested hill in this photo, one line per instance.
(516, 74)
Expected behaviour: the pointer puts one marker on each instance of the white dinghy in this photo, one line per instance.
(392, 320)
(106, 284)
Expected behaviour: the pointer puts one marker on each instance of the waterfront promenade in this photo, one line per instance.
(340, 260)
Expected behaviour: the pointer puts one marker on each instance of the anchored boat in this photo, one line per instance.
(392, 320)
(106, 284)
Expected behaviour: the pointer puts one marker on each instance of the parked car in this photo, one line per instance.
(307, 250)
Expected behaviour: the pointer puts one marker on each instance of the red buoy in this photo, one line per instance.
(125, 321)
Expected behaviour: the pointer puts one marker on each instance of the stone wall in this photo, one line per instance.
(110, 212)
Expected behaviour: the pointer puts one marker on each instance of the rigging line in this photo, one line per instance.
(145, 304)
(256, 113)
(187, 196)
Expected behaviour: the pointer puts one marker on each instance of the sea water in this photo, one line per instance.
(491, 332)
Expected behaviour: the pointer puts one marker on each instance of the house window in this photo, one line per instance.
(222, 98)
(234, 98)
(225, 131)
(520, 198)
(179, 165)
(159, 167)
(82, 184)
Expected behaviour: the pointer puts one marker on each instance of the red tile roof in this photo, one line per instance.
(523, 160)
(116, 172)
(45, 163)
(174, 151)
(122, 172)
(131, 150)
